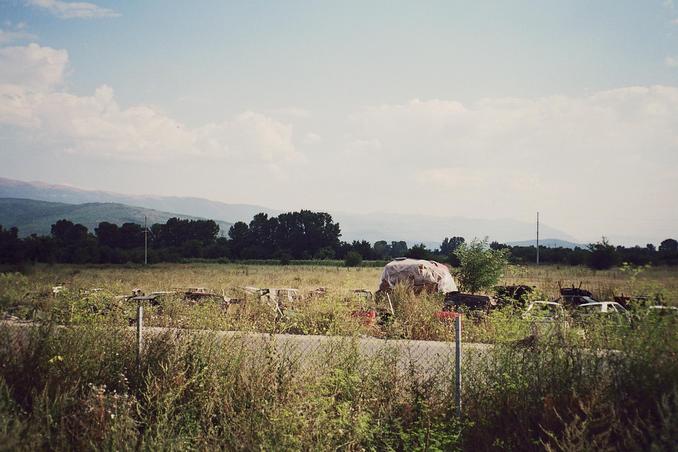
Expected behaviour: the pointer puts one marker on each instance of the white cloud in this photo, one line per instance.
(248, 134)
(33, 103)
(73, 10)
(598, 155)
(292, 112)
(464, 178)
(15, 33)
(671, 61)
(312, 138)
(33, 67)
(363, 146)
(511, 129)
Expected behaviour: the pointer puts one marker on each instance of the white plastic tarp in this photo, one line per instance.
(418, 274)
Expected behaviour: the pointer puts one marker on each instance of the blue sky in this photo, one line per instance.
(266, 54)
(490, 109)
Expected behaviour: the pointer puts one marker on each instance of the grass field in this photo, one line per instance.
(80, 387)
(340, 280)
(29, 297)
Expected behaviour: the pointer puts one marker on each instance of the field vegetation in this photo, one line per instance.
(29, 297)
(71, 380)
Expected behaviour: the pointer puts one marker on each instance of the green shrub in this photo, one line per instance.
(480, 267)
(353, 259)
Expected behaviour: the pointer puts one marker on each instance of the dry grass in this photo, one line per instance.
(340, 280)
(122, 279)
(80, 388)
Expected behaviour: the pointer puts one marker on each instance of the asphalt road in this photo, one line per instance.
(428, 356)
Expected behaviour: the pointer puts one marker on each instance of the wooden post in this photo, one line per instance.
(140, 327)
(537, 238)
(145, 240)
(457, 362)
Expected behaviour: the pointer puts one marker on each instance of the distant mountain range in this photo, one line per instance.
(198, 207)
(431, 230)
(549, 243)
(37, 217)
(427, 229)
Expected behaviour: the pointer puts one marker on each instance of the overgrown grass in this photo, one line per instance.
(80, 388)
(73, 381)
(29, 297)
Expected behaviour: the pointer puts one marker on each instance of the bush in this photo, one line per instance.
(603, 255)
(480, 266)
(353, 259)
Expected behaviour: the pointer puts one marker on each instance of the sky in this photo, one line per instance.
(478, 109)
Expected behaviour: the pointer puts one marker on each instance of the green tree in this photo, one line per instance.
(382, 249)
(669, 246)
(398, 249)
(239, 234)
(108, 234)
(11, 247)
(419, 252)
(362, 247)
(353, 259)
(480, 266)
(603, 255)
(450, 245)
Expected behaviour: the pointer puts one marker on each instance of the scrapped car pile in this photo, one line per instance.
(421, 276)
(574, 302)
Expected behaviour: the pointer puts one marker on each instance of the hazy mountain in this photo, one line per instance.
(198, 207)
(426, 229)
(549, 243)
(37, 217)
(432, 229)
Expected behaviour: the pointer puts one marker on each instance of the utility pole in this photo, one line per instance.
(146, 240)
(537, 238)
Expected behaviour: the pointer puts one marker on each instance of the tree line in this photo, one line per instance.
(304, 235)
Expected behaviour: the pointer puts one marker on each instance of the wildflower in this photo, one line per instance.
(55, 359)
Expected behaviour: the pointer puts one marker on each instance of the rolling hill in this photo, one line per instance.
(427, 229)
(37, 217)
(196, 207)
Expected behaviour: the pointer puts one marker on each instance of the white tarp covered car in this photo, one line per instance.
(421, 275)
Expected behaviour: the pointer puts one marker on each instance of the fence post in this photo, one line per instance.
(140, 327)
(457, 362)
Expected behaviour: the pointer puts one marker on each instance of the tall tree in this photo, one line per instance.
(603, 255)
(108, 234)
(398, 249)
(382, 249)
(450, 245)
(669, 246)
